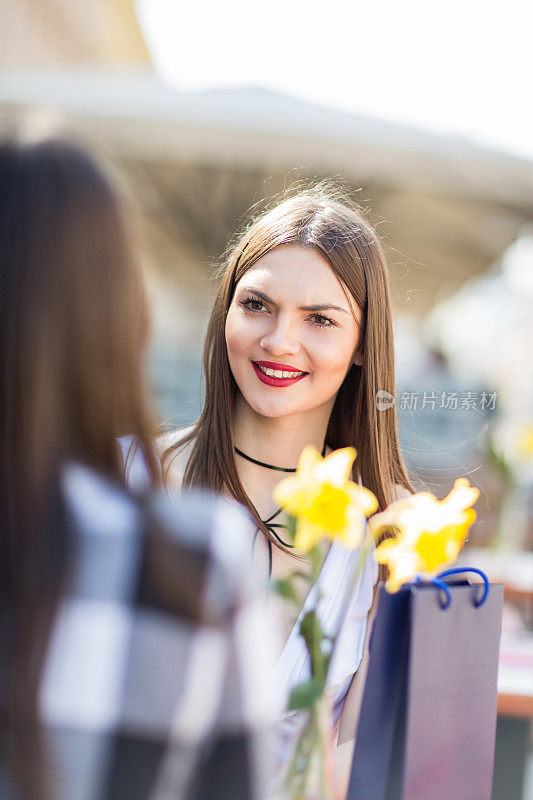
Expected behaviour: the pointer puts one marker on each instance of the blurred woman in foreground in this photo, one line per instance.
(123, 661)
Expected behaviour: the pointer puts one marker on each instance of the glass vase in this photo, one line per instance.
(309, 774)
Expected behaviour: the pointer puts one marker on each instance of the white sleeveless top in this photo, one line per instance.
(293, 664)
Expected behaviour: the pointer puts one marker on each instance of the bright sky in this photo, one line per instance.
(461, 65)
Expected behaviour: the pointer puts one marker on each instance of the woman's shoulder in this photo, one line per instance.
(173, 463)
(134, 465)
(174, 453)
(173, 439)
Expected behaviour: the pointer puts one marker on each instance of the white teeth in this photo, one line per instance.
(278, 373)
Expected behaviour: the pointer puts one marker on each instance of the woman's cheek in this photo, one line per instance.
(237, 347)
(243, 335)
(333, 359)
(234, 334)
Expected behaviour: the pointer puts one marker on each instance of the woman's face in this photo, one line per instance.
(291, 333)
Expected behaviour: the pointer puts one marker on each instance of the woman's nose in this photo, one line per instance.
(281, 337)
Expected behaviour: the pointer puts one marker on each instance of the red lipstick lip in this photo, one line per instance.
(273, 365)
(277, 382)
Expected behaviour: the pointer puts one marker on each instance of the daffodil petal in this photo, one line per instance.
(383, 521)
(393, 585)
(364, 498)
(402, 570)
(462, 495)
(290, 494)
(336, 468)
(385, 550)
(307, 535)
(308, 462)
(352, 535)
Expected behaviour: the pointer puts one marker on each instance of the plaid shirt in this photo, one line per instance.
(156, 680)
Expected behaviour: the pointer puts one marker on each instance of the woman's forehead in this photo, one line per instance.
(296, 269)
(296, 275)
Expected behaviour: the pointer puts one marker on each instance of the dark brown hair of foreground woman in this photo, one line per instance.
(322, 218)
(70, 384)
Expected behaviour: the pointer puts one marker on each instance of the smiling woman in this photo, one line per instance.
(299, 343)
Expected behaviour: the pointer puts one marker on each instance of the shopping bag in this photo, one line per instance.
(427, 724)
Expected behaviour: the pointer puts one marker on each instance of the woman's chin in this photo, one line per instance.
(279, 405)
(273, 410)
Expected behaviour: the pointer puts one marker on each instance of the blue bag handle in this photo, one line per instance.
(440, 585)
(443, 586)
(457, 570)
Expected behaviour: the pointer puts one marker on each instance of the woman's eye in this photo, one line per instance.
(252, 304)
(323, 322)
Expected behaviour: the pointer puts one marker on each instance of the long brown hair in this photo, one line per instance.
(72, 319)
(316, 217)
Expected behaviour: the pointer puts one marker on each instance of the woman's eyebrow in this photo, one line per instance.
(261, 295)
(323, 307)
(316, 308)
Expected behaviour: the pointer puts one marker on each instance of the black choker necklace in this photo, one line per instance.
(271, 466)
(268, 523)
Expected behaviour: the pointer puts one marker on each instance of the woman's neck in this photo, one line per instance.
(279, 440)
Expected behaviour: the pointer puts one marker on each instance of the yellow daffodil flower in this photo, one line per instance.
(325, 502)
(525, 442)
(430, 535)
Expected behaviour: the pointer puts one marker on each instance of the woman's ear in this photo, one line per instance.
(358, 356)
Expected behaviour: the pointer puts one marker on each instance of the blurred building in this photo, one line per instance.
(37, 34)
